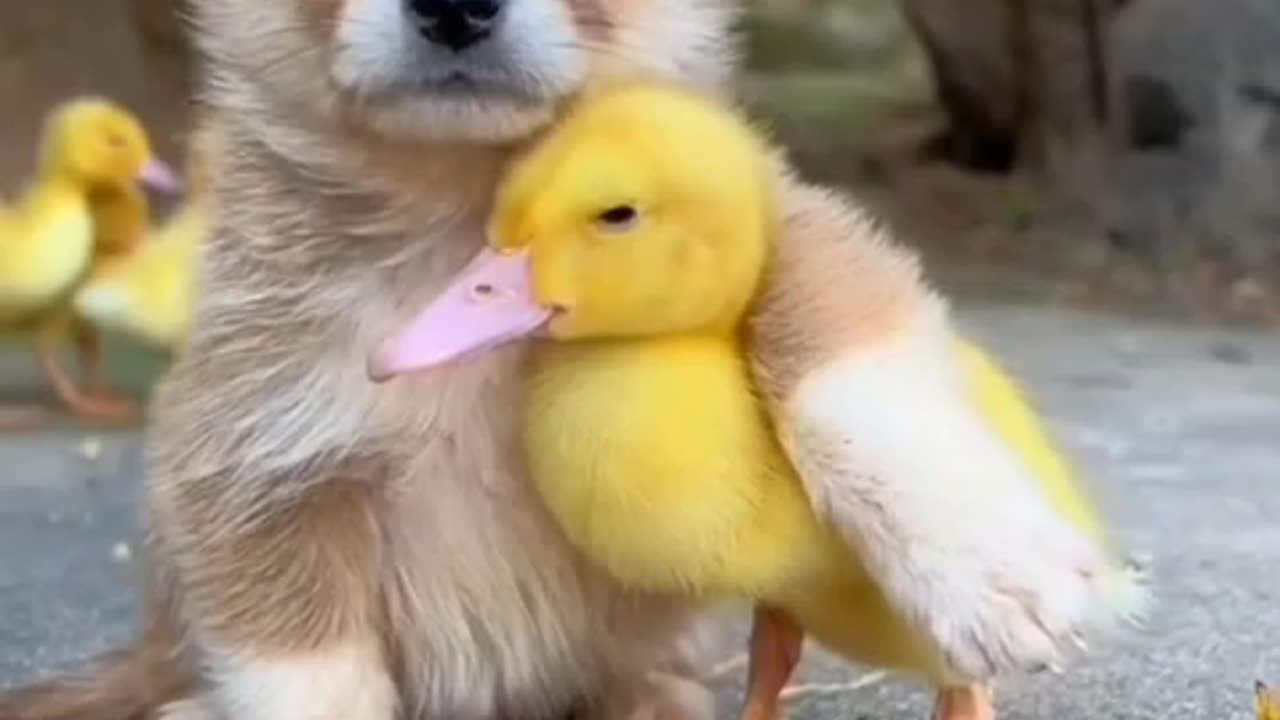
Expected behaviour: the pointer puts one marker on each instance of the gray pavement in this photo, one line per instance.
(1178, 427)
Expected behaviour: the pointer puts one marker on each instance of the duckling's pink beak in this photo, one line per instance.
(159, 177)
(489, 304)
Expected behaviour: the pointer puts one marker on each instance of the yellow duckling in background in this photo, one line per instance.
(122, 212)
(122, 222)
(149, 292)
(90, 147)
(635, 239)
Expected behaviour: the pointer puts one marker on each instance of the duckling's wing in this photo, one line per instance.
(855, 358)
(149, 292)
(1005, 405)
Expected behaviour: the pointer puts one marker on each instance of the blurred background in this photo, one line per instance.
(1104, 153)
(1093, 181)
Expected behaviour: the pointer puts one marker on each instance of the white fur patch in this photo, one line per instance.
(676, 698)
(943, 514)
(196, 708)
(372, 38)
(347, 683)
(689, 40)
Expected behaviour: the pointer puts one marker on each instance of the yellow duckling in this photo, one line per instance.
(1004, 404)
(1267, 702)
(635, 238)
(122, 212)
(149, 291)
(122, 221)
(47, 239)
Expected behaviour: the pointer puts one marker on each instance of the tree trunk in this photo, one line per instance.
(1020, 81)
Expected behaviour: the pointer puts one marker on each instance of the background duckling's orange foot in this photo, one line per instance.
(106, 407)
(965, 703)
(23, 417)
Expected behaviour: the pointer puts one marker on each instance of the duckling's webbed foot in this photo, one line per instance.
(965, 703)
(22, 417)
(84, 406)
(776, 646)
(107, 408)
(93, 363)
(101, 402)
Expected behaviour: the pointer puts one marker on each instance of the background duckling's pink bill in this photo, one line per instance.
(490, 303)
(159, 177)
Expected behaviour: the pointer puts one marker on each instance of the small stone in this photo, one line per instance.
(1157, 119)
(1248, 297)
(121, 552)
(90, 449)
(1230, 354)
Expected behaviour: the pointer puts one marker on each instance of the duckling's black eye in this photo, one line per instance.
(619, 217)
(115, 142)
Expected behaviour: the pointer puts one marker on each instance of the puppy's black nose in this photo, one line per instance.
(455, 24)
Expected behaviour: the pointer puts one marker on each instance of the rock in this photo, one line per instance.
(1162, 116)
(1015, 76)
(1196, 150)
(973, 76)
(90, 449)
(121, 552)
(1156, 119)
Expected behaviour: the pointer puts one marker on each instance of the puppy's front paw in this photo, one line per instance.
(1024, 600)
(671, 697)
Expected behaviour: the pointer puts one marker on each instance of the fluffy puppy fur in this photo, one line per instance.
(323, 547)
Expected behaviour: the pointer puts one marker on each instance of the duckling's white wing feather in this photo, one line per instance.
(853, 354)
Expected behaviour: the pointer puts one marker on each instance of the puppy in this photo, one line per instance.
(325, 548)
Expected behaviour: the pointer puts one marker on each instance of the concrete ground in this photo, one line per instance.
(1178, 427)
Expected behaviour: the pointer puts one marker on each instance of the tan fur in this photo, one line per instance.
(299, 513)
(127, 684)
(838, 281)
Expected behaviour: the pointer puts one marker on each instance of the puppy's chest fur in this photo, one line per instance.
(489, 613)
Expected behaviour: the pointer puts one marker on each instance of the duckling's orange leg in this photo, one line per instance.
(93, 361)
(965, 703)
(47, 341)
(776, 645)
(22, 417)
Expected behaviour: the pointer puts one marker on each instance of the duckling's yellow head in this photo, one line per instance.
(98, 143)
(648, 211)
